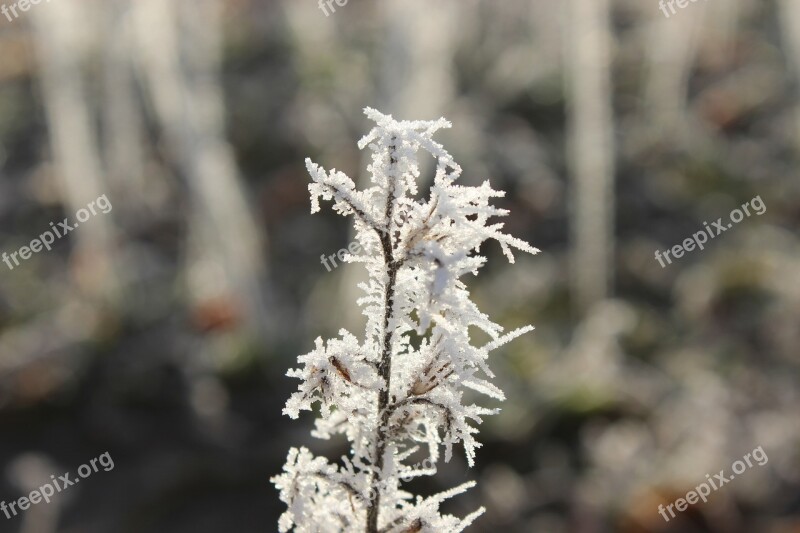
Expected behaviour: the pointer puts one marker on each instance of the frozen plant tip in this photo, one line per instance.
(391, 396)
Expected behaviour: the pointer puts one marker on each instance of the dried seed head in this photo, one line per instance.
(340, 368)
(414, 527)
(432, 375)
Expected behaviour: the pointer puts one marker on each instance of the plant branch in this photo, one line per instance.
(385, 366)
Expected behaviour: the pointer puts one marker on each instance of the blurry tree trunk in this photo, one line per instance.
(547, 34)
(59, 42)
(789, 15)
(723, 21)
(671, 50)
(122, 121)
(591, 149)
(179, 47)
(416, 76)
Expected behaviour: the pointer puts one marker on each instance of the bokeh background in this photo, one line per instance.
(161, 332)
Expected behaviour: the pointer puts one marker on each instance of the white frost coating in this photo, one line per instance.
(415, 251)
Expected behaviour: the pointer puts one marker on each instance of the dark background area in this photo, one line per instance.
(161, 332)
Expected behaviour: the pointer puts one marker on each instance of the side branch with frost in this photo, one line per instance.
(393, 398)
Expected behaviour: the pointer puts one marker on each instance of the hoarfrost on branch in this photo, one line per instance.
(391, 397)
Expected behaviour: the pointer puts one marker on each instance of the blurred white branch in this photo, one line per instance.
(591, 149)
(59, 45)
(179, 47)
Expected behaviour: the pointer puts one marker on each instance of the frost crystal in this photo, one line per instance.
(402, 386)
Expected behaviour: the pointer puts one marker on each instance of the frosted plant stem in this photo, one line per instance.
(415, 251)
(385, 367)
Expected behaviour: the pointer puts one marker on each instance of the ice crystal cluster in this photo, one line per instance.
(397, 394)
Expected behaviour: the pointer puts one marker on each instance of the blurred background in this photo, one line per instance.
(161, 331)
